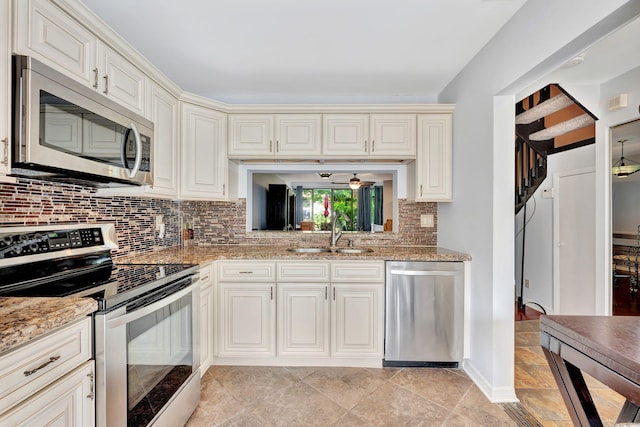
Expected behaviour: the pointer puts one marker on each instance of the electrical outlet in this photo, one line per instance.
(426, 220)
(159, 222)
(526, 283)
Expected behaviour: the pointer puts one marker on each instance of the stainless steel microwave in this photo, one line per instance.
(64, 131)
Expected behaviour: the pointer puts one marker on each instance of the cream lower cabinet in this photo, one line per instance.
(357, 309)
(68, 402)
(323, 313)
(207, 331)
(248, 320)
(50, 380)
(246, 308)
(303, 309)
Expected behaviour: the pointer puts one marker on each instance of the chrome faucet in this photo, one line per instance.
(335, 232)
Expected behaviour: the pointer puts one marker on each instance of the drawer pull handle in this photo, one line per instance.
(245, 272)
(44, 365)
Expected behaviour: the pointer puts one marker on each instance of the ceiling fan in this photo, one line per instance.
(355, 182)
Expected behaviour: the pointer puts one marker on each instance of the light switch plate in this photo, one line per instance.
(426, 220)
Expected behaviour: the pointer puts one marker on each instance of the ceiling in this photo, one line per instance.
(303, 51)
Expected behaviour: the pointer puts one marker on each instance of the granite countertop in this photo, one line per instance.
(208, 254)
(23, 319)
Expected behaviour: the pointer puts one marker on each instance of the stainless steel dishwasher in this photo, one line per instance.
(424, 314)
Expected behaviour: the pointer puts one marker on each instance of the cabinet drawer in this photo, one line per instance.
(246, 271)
(296, 271)
(27, 369)
(357, 271)
(67, 402)
(204, 276)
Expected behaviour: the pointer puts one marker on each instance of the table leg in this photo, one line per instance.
(574, 391)
(630, 413)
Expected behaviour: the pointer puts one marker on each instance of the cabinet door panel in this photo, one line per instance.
(251, 136)
(204, 161)
(434, 164)
(207, 335)
(356, 320)
(303, 319)
(164, 114)
(298, 135)
(121, 80)
(247, 320)
(393, 136)
(46, 33)
(5, 89)
(345, 135)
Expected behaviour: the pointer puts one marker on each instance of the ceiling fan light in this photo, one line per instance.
(623, 171)
(354, 183)
(325, 175)
(620, 168)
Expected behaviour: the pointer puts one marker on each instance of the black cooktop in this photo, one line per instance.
(94, 276)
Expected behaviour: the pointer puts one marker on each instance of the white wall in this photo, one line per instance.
(539, 38)
(538, 265)
(625, 205)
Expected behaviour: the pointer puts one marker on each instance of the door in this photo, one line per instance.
(303, 319)
(345, 135)
(393, 136)
(434, 164)
(204, 158)
(356, 319)
(247, 320)
(574, 258)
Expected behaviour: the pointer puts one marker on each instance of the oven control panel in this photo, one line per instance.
(15, 244)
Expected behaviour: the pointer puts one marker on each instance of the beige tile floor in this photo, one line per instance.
(278, 396)
(536, 387)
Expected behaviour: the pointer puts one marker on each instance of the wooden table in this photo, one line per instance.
(607, 348)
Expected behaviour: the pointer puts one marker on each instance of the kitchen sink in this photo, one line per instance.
(308, 250)
(354, 250)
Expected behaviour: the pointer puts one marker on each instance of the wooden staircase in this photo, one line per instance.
(547, 121)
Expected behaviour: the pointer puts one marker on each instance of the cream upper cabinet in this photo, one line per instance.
(121, 80)
(5, 89)
(204, 158)
(392, 136)
(164, 111)
(251, 135)
(434, 164)
(298, 135)
(265, 136)
(345, 135)
(46, 33)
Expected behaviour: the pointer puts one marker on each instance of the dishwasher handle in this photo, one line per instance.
(424, 272)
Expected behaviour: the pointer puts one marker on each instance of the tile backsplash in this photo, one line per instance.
(34, 202)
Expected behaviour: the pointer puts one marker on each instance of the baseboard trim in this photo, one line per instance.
(494, 394)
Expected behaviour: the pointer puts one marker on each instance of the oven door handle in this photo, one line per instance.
(147, 309)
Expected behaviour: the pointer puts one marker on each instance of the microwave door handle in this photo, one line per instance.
(123, 149)
(138, 161)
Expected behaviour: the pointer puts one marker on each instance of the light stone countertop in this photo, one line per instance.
(23, 319)
(207, 254)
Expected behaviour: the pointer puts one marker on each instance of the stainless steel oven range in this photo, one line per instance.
(146, 327)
